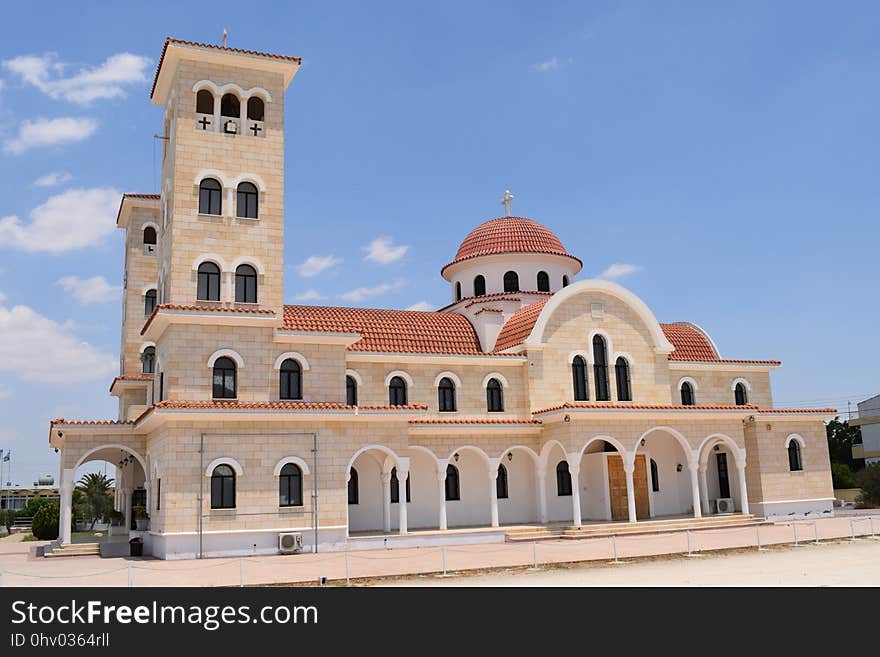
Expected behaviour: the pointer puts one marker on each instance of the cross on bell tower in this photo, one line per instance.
(508, 197)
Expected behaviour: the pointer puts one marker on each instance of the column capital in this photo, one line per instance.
(386, 477)
(629, 462)
(402, 475)
(693, 460)
(574, 462)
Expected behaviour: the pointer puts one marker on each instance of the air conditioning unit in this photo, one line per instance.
(231, 127)
(724, 505)
(290, 543)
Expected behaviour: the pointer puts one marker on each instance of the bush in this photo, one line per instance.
(7, 519)
(45, 523)
(842, 476)
(869, 481)
(34, 504)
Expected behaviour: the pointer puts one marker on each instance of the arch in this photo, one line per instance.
(354, 375)
(608, 439)
(626, 356)
(470, 448)
(745, 382)
(248, 260)
(386, 450)
(511, 281)
(547, 449)
(479, 285)
(295, 355)
(150, 286)
(82, 459)
(253, 178)
(431, 454)
(227, 353)
(212, 173)
(688, 379)
(659, 339)
(225, 460)
(685, 445)
(300, 463)
(445, 375)
(623, 378)
(205, 101)
(494, 375)
(150, 224)
(230, 104)
(543, 281)
(145, 345)
(583, 354)
(608, 345)
(715, 438)
(219, 90)
(797, 438)
(403, 375)
(520, 448)
(256, 109)
(210, 257)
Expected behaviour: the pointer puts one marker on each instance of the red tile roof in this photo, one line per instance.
(690, 342)
(216, 309)
(475, 421)
(61, 420)
(150, 197)
(237, 51)
(519, 326)
(282, 406)
(509, 235)
(797, 410)
(398, 331)
(643, 407)
(131, 377)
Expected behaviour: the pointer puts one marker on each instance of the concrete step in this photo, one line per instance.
(537, 533)
(75, 550)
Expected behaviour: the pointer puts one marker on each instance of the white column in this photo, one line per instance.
(228, 294)
(64, 518)
(743, 492)
(493, 490)
(693, 467)
(402, 476)
(126, 504)
(704, 488)
(541, 498)
(628, 468)
(386, 501)
(441, 489)
(574, 469)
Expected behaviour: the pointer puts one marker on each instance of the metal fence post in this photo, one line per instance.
(347, 571)
(689, 542)
(794, 527)
(614, 544)
(852, 530)
(443, 556)
(816, 531)
(240, 571)
(871, 520)
(129, 576)
(534, 555)
(758, 537)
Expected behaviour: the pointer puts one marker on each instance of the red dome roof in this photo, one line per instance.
(509, 235)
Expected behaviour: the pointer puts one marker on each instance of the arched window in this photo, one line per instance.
(565, 281)
(397, 392)
(740, 394)
(479, 285)
(148, 360)
(458, 291)
(621, 371)
(255, 108)
(149, 235)
(794, 456)
(248, 200)
(494, 396)
(563, 479)
(687, 394)
(655, 477)
(230, 106)
(543, 282)
(579, 379)
(395, 488)
(205, 102)
(291, 380)
(600, 368)
(453, 489)
(149, 302)
(223, 487)
(511, 282)
(352, 486)
(290, 486)
(210, 197)
(351, 391)
(245, 284)
(446, 395)
(501, 483)
(224, 378)
(209, 282)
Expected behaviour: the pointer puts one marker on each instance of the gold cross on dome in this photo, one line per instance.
(508, 197)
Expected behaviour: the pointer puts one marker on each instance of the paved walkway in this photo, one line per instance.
(20, 567)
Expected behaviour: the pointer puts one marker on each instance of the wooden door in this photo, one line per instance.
(617, 488)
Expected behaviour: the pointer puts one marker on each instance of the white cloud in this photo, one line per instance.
(54, 179)
(39, 349)
(618, 270)
(383, 251)
(309, 295)
(90, 290)
(361, 293)
(47, 74)
(314, 265)
(423, 306)
(49, 132)
(73, 219)
(545, 67)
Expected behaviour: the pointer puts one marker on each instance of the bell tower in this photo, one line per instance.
(222, 191)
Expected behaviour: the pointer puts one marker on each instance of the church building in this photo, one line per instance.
(533, 399)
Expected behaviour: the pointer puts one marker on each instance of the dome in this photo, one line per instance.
(510, 235)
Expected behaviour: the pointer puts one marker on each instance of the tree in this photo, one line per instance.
(868, 480)
(97, 498)
(842, 476)
(33, 505)
(841, 437)
(45, 523)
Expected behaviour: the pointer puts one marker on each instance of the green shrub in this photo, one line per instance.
(7, 519)
(869, 481)
(45, 523)
(35, 504)
(842, 476)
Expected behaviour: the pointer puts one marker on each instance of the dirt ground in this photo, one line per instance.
(841, 563)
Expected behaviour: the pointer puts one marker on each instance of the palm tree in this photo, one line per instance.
(95, 487)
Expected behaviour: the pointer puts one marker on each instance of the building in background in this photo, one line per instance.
(869, 421)
(16, 496)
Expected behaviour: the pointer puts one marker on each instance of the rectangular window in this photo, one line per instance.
(723, 478)
(158, 494)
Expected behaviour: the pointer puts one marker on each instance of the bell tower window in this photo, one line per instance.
(210, 197)
(248, 201)
(255, 109)
(204, 102)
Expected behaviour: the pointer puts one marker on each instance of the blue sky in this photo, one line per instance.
(728, 153)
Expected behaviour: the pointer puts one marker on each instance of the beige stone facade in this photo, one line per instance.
(535, 453)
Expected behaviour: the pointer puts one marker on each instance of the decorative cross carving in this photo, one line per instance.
(256, 129)
(204, 122)
(508, 197)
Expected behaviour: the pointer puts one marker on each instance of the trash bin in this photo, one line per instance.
(136, 547)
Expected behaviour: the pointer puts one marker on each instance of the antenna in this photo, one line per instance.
(224, 37)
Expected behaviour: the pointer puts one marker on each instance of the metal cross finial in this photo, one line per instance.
(224, 37)
(508, 197)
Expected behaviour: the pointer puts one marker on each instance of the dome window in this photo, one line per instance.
(543, 282)
(511, 282)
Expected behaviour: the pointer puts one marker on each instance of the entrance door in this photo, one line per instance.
(138, 498)
(723, 478)
(617, 488)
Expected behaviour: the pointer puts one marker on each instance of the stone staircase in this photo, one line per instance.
(595, 530)
(74, 550)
